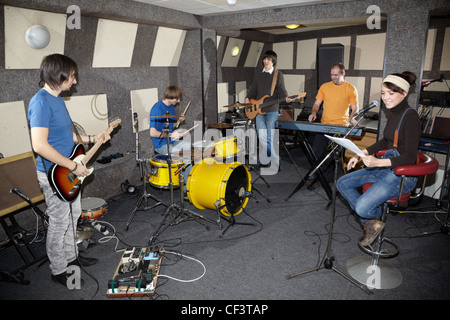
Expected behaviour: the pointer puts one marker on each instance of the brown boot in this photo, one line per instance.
(372, 229)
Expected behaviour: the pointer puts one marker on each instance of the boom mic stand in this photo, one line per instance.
(328, 261)
(247, 158)
(145, 196)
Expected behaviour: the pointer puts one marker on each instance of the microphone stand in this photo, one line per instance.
(247, 159)
(145, 196)
(328, 261)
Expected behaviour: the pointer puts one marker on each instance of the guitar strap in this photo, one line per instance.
(274, 82)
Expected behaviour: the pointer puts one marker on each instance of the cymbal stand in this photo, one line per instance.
(142, 171)
(328, 261)
(174, 210)
(145, 195)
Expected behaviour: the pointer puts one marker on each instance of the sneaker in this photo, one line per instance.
(372, 230)
(62, 278)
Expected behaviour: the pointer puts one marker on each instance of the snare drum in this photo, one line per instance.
(159, 172)
(93, 208)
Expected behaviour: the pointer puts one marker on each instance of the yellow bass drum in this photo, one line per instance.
(222, 186)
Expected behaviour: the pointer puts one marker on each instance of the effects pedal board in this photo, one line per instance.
(136, 273)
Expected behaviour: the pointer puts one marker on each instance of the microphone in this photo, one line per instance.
(19, 193)
(15, 190)
(374, 104)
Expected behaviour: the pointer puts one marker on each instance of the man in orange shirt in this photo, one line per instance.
(340, 103)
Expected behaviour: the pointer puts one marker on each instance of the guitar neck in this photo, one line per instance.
(94, 149)
(269, 103)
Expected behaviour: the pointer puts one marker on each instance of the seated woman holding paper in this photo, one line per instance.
(401, 138)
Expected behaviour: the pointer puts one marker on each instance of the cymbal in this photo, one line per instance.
(237, 105)
(166, 116)
(220, 125)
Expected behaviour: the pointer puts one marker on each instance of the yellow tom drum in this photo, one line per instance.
(226, 147)
(221, 186)
(159, 172)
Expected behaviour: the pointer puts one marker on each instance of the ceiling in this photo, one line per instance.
(214, 7)
(221, 7)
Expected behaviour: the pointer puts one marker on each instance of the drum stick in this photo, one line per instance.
(191, 129)
(183, 114)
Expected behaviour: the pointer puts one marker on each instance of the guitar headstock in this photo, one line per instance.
(300, 95)
(115, 123)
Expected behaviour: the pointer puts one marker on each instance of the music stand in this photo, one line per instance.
(328, 261)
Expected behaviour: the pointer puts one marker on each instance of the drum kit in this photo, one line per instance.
(202, 176)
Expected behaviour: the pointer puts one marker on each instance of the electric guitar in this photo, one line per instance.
(256, 105)
(65, 183)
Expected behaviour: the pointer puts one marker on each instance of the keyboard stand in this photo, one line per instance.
(313, 162)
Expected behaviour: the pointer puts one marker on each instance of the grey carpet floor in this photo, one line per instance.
(255, 257)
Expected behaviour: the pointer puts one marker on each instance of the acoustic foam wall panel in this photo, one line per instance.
(370, 51)
(306, 54)
(254, 54)
(14, 129)
(142, 101)
(228, 59)
(285, 53)
(241, 91)
(114, 44)
(445, 60)
(222, 97)
(294, 83)
(18, 54)
(90, 112)
(429, 53)
(360, 85)
(168, 46)
(375, 92)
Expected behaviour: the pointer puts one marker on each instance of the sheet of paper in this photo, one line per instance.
(347, 144)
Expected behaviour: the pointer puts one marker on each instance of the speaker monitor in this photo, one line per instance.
(327, 55)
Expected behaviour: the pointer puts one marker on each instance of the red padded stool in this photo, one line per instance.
(369, 270)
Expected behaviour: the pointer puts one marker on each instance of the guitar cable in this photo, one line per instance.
(77, 253)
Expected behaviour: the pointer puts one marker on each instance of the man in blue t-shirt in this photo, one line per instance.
(166, 106)
(53, 140)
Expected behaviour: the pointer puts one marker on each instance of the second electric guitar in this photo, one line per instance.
(66, 184)
(256, 105)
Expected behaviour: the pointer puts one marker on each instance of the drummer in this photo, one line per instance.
(172, 97)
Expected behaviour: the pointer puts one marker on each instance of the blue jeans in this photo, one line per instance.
(386, 185)
(265, 127)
